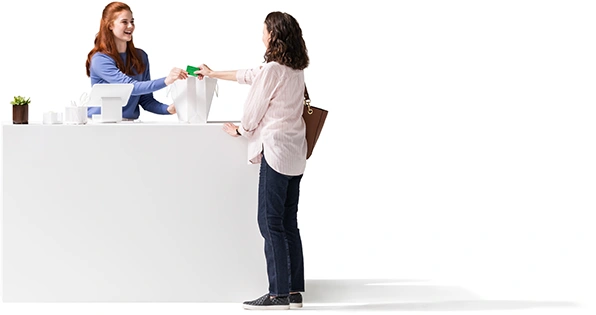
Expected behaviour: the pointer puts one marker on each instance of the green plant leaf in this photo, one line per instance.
(20, 100)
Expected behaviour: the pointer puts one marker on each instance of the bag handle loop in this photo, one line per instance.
(307, 101)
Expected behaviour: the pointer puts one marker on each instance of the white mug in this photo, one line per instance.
(50, 118)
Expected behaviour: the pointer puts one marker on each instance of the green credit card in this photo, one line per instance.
(191, 70)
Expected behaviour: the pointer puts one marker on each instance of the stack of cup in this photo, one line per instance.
(75, 115)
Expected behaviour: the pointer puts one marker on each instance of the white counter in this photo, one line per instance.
(146, 212)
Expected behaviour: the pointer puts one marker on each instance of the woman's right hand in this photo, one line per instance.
(176, 74)
(204, 71)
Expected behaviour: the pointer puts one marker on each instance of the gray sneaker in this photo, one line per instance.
(296, 300)
(266, 302)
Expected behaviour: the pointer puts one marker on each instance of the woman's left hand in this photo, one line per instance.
(230, 129)
(172, 109)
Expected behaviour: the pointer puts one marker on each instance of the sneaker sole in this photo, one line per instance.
(268, 307)
(295, 305)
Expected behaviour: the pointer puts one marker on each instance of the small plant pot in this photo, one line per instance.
(20, 114)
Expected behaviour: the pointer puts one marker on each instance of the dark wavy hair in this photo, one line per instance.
(105, 43)
(286, 45)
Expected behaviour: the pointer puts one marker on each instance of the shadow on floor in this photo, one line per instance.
(404, 295)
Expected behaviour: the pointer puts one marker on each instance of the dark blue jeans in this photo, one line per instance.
(278, 223)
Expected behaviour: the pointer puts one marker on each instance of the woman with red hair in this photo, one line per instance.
(115, 59)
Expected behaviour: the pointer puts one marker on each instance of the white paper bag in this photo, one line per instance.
(192, 98)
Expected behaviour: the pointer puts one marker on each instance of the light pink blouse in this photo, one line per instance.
(272, 119)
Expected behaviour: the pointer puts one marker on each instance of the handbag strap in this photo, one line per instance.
(307, 100)
(306, 97)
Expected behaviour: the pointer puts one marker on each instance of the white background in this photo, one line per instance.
(459, 151)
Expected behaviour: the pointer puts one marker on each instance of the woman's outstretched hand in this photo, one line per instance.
(176, 74)
(204, 71)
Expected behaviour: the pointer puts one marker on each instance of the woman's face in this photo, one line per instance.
(266, 36)
(123, 27)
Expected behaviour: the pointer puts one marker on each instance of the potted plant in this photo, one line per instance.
(20, 110)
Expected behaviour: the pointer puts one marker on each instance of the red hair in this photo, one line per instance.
(105, 43)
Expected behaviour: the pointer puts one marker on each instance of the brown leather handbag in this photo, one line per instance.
(314, 117)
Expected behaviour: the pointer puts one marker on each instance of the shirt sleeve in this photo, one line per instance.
(246, 76)
(105, 67)
(262, 91)
(150, 104)
(147, 101)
